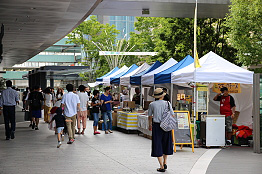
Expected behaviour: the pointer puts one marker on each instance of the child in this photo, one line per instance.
(60, 125)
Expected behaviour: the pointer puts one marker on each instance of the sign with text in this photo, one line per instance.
(232, 87)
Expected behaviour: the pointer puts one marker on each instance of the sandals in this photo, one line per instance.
(160, 170)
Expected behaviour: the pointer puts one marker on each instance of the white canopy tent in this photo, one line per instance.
(148, 79)
(215, 69)
(106, 80)
(125, 80)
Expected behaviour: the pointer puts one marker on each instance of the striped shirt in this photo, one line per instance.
(9, 97)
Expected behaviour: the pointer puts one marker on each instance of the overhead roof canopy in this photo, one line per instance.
(32, 26)
(163, 8)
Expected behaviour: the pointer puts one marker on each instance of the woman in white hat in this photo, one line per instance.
(161, 140)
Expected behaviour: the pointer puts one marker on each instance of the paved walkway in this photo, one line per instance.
(35, 152)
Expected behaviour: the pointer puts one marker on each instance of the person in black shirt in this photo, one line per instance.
(95, 110)
(60, 124)
(36, 105)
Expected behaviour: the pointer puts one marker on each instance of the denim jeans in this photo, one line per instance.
(107, 115)
(96, 118)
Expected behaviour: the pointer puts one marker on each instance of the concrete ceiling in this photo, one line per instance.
(163, 8)
(31, 26)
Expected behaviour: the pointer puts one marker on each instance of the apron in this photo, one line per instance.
(225, 107)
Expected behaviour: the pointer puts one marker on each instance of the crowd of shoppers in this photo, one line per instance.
(68, 109)
(71, 107)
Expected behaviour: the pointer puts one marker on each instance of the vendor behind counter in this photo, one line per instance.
(136, 96)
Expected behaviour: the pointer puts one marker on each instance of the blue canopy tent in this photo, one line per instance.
(136, 79)
(107, 74)
(116, 79)
(165, 76)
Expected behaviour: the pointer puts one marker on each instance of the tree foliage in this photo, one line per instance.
(245, 34)
(173, 37)
(86, 34)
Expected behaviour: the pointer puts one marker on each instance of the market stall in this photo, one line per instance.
(217, 71)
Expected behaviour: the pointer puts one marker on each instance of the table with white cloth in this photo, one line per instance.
(143, 124)
(127, 120)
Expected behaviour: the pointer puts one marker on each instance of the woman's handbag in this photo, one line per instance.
(168, 122)
(103, 108)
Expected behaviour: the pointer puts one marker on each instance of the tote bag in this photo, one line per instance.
(168, 122)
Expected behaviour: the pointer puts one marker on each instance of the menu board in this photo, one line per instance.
(182, 132)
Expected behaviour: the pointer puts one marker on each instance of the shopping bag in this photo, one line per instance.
(168, 122)
(27, 116)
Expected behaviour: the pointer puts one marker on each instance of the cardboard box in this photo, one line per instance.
(114, 116)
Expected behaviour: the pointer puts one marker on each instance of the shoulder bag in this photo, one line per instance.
(168, 122)
(103, 107)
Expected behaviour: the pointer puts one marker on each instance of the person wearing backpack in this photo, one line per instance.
(36, 105)
(162, 144)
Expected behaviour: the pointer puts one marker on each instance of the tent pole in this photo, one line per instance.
(141, 96)
(195, 57)
(171, 94)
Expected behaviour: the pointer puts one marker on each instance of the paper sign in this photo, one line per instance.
(232, 87)
(182, 119)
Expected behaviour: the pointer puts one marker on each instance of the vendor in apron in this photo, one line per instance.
(227, 108)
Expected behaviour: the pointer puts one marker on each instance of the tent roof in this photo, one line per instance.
(165, 76)
(106, 80)
(107, 74)
(116, 79)
(136, 79)
(125, 80)
(148, 79)
(214, 69)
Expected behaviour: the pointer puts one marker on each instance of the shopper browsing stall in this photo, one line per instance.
(227, 108)
(106, 99)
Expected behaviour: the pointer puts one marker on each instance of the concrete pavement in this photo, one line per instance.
(35, 152)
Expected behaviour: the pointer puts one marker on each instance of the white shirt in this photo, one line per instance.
(70, 100)
(83, 100)
(48, 100)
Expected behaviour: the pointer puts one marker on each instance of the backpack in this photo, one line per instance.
(35, 103)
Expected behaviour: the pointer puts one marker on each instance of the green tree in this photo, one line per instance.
(86, 34)
(245, 34)
(173, 37)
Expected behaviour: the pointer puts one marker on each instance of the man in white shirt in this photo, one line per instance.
(9, 99)
(71, 104)
(82, 113)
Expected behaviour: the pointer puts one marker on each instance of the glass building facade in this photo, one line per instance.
(125, 24)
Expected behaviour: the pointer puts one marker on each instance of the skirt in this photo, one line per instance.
(161, 141)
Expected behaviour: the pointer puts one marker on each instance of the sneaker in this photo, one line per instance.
(63, 137)
(30, 125)
(96, 132)
(106, 132)
(36, 128)
(33, 126)
(110, 131)
(59, 144)
(70, 141)
(7, 138)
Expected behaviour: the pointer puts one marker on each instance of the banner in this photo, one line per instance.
(232, 87)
